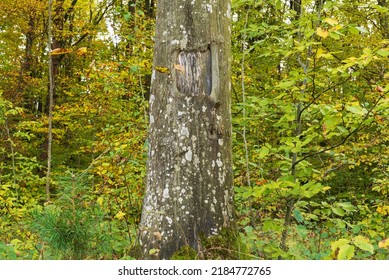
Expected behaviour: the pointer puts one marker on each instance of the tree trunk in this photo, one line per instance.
(189, 193)
(384, 20)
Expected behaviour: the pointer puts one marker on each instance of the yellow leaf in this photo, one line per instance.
(383, 210)
(162, 69)
(82, 51)
(120, 215)
(331, 21)
(322, 33)
(59, 51)
(384, 243)
(100, 201)
(337, 27)
(319, 52)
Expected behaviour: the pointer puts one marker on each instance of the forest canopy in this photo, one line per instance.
(310, 107)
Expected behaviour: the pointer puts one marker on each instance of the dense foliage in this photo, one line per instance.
(310, 112)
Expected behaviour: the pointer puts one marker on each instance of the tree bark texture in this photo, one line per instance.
(189, 193)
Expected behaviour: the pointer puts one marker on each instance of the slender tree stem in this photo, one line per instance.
(51, 94)
(244, 114)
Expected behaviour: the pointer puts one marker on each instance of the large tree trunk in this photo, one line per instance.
(189, 192)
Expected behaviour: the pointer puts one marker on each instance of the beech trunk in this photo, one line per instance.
(189, 188)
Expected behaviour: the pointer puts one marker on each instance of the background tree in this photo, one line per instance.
(189, 180)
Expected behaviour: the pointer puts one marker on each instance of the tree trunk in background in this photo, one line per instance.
(189, 191)
(384, 19)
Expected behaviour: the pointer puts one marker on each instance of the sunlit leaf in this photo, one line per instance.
(356, 109)
(346, 252)
(331, 21)
(383, 52)
(59, 51)
(363, 243)
(322, 33)
(82, 51)
(339, 243)
(286, 84)
(384, 243)
(334, 35)
(338, 211)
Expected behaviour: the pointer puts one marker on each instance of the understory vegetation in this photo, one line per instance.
(310, 111)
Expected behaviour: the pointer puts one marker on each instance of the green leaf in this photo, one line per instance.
(286, 84)
(127, 16)
(346, 252)
(346, 206)
(248, 229)
(383, 52)
(353, 30)
(302, 231)
(339, 243)
(334, 35)
(358, 110)
(363, 243)
(297, 215)
(264, 152)
(153, 251)
(338, 211)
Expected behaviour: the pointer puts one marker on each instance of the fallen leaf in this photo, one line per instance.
(179, 67)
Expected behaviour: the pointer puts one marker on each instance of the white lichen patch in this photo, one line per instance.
(152, 79)
(165, 193)
(188, 155)
(219, 163)
(204, 109)
(169, 220)
(196, 160)
(184, 131)
(221, 142)
(184, 41)
(209, 8)
(228, 13)
(151, 119)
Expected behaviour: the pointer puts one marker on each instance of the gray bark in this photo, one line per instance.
(189, 193)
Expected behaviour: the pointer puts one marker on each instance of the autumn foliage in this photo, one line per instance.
(310, 128)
